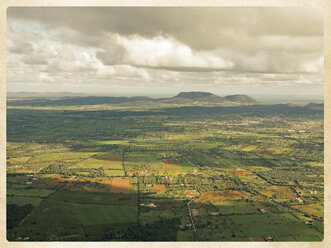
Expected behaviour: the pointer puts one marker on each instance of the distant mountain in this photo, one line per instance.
(312, 104)
(183, 98)
(317, 106)
(199, 96)
(25, 95)
(91, 100)
(240, 99)
(195, 96)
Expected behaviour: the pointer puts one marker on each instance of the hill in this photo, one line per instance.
(316, 106)
(91, 100)
(183, 98)
(195, 96)
(207, 97)
(241, 99)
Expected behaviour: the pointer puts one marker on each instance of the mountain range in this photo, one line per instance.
(194, 97)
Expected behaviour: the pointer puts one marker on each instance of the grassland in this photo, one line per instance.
(245, 219)
(265, 231)
(235, 207)
(30, 192)
(94, 198)
(21, 201)
(90, 214)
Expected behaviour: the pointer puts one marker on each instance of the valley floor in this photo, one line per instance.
(96, 175)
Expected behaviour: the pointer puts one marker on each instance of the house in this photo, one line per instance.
(195, 212)
(190, 193)
(263, 211)
(148, 204)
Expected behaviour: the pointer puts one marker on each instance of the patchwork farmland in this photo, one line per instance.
(171, 174)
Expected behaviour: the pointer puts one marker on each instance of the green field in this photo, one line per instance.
(59, 156)
(90, 214)
(97, 163)
(95, 198)
(265, 231)
(235, 207)
(309, 238)
(21, 201)
(30, 192)
(54, 219)
(114, 156)
(249, 218)
(114, 173)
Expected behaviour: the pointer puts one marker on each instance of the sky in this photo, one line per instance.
(165, 50)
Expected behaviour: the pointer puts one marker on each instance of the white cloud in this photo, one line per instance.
(158, 51)
(44, 77)
(315, 66)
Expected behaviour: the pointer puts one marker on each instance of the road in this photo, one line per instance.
(190, 213)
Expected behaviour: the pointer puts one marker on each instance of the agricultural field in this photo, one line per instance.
(90, 214)
(174, 173)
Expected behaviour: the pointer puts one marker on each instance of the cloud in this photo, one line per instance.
(203, 28)
(159, 52)
(169, 54)
(165, 46)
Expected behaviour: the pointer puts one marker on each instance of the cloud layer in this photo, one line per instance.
(167, 49)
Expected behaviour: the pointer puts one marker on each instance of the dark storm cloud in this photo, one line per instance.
(200, 28)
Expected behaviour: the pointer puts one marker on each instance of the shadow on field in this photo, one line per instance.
(89, 211)
(82, 211)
